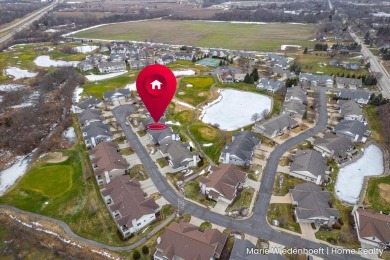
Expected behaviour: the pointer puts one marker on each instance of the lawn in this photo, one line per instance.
(50, 180)
(206, 134)
(138, 172)
(243, 201)
(374, 121)
(378, 188)
(98, 88)
(184, 117)
(260, 37)
(284, 214)
(162, 162)
(127, 151)
(288, 183)
(198, 93)
(192, 191)
(314, 63)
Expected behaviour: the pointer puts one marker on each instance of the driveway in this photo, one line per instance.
(132, 159)
(308, 232)
(286, 199)
(253, 184)
(220, 207)
(148, 186)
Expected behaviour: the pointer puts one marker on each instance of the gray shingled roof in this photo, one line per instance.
(242, 145)
(355, 95)
(88, 103)
(310, 161)
(239, 252)
(276, 124)
(354, 127)
(178, 152)
(296, 92)
(294, 106)
(90, 114)
(349, 81)
(336, 143)
(312, 202)
(122, 92)
(350, 108)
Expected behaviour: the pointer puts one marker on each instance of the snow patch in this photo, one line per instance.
(17, 73)
(94, 77)
(285, 47)
(179, 73)
(183, 104)
(52, 30)
(172, 123)
(9, 176)
(131, 87)
(77, 94)
(234, 109)
(207, 145)
(11, 87)
(350, 178)
(46, 62)
(86, 48)
(70, 134)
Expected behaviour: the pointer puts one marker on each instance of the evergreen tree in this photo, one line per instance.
(220, 63)
(306, 51)
(247, 78)
(255, 75)
(194, 59)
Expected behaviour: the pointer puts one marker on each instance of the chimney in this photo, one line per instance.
(194, 159)
(227, 159)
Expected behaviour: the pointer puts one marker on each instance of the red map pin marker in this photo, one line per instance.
(156, 86)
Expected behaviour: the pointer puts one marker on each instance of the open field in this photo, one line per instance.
(260, 37)
(318, 61)
(198, 89)
(98, 88)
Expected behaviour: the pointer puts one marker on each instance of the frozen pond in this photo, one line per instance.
(9, 176)
(93, 77)
(46, 62)
(350, 178)
(234, 109)
(17, 73)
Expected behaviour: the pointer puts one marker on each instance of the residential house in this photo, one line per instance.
(85, 65)
(241, 150)
(296, 93)
(107, 67)
(355, 130)
(160, 137)
(95, 59)
(334, 63)
(270, 85)
(373, 228)
(350, 110)
(90, 115)
(184, 241)
(184, 56)
(118, 94)
(348, 82)
(108, 162)
(283, 73)
(223, 182)
(312, 205)
(226, 77)
(275, 126)
(359, 96)
(219, 53)
(131, 209)
(239, 77)
(167, 59)
(279, 61)
(95, 133)
(91, 102)
(308, 165)
(139, 64)
(179, 155)
(117, 57)
(316, 80)
(240, 252)
(294, 108)
(337, 147)
(352, 66)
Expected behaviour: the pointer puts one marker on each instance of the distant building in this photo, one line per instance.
(107, 67)
(270, 85)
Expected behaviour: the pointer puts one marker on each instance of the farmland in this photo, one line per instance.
(260, 37)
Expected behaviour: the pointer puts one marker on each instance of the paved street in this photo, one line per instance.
(256, 225)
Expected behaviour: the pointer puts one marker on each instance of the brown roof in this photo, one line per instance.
(224, 178)
(374, 224)
(129, 199)
(107, 157)
(184, 240)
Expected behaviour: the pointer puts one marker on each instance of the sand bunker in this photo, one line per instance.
(55, 157)
(384, 191)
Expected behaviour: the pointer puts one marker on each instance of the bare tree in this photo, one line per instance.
(264, 113)
(255, 117)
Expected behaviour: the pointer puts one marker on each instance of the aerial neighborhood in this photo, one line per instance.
(261, 148)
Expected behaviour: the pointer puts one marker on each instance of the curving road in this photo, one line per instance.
(25, 22)
(257, 225)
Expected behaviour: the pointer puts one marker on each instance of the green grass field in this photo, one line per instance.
(198, 93)
(319, 62)
(260, 37)
(50, 181)
(206, 134)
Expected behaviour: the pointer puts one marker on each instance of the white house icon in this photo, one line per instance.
(155, 84)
